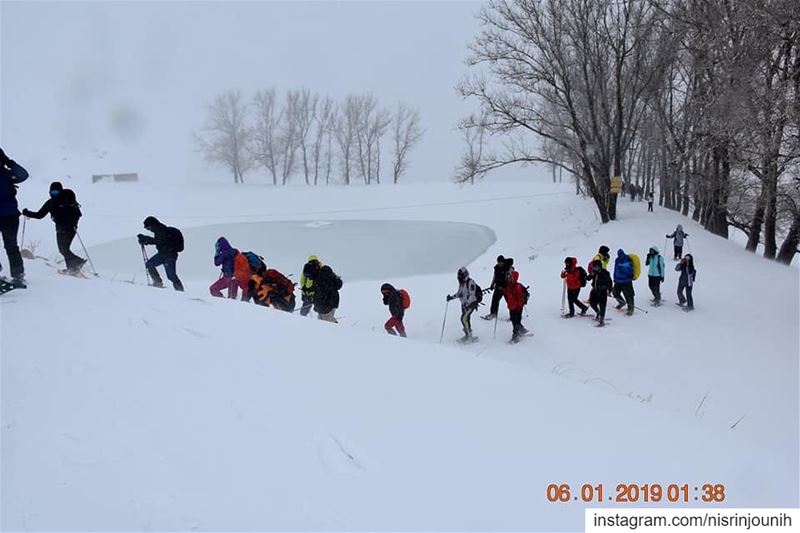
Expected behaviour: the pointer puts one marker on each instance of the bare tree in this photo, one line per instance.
(226, 135)
(406, 134)
(474, 159)
(266, 147)
(307, 113)
(322, 129)
(289, 134)
(347, 128)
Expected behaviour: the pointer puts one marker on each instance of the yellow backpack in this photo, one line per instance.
(637, 265)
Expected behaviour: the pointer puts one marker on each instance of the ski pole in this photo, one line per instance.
(146, 272)
(444, 320)
(495, 324)
(563, 296)
(640, 309)
(22, 241)
(85, 251)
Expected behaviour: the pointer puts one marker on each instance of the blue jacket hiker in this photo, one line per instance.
(623, 281)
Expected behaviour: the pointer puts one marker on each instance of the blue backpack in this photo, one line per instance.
(255, 260)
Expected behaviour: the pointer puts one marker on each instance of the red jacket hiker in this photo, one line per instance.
(514, 293)
(572, 275)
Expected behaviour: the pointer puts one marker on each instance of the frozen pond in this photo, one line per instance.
(355, 249)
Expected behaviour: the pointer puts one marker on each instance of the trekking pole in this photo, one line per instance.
(494, 336)
(665, 245)
(146, 272)
(563, 296)
(640, 309)
(22, 241)
(444, 320)
(85, 251)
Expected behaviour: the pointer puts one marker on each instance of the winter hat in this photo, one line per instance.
(621, 253)
(679, 228)
(463, 273)
(501, 259)
(56, 188)
(655, 249)
(222, 244)
(596, 265)
(151, 222)
(386, 287)
(604, 250)
(509, 262)
(313, 258)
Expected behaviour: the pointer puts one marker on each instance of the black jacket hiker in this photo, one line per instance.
(168, 242)
(601, 286)
(11, 174)
(499, 281)
(326, 293)
(64, 209)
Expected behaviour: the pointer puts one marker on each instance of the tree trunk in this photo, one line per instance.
(790, 243)
(754, 237)
(771, 187)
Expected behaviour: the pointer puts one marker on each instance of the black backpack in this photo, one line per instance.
(176, 237)
(478, 293)
(583, 276)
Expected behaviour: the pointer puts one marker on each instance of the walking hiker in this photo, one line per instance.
(601, 289)
(398, 302)
(225, 256)
(326, 294)
(169, 243)
(310, 271)
(575, 278)
(499, 280)
(516, 296)
(470, 295)
(270, 287)
(678, 235)
(686, 281)
(63, 208)
(623, 281)
(11, 175)
(655, 273)
(650, 201)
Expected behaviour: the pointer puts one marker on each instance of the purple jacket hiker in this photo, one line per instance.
(225, 256)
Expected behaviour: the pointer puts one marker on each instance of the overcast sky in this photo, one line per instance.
(132, 78)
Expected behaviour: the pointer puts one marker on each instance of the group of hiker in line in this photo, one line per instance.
(627, 268)
(320, 285)
(637, 192)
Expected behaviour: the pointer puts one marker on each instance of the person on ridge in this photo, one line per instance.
(499, 280)
(225, 256)
(623, 281)
(678, 236)
(468, 294)
(310, 271)
(169, 243)
(65, 211)
(686, 281)
(601, 289)
(575, 278)
(394, 300)
(655, 273)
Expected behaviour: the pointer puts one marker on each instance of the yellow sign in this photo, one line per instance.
(616, 185)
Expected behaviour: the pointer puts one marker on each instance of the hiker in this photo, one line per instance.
(501, 269)
(398, 302)
(65, 211)
(516, 298)
(575, 278)
(623, 281)
(11, 175)
(310, 271)
(650, 201)
(168, 242)
(470, 295)
(326, 294)
(686, 281)
(603, 256)
(246, 264)
(225, 256)
(655, 273)
(269, 287)
(678, 235)
(601, 288)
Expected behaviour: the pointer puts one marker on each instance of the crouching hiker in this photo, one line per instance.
(271, 288)
(398, 302)
(470, 295)
(516, 296)
(326, 294)
(169, 243)
(225, 256)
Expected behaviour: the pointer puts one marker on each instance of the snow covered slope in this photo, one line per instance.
(125, 407)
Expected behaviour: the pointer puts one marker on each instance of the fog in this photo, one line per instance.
(102, 87)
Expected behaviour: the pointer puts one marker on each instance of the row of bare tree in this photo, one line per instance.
(697, 101)
(304, 133)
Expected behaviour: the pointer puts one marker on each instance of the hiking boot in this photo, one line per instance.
(583, 313)
(620, 305)
(629, 312)
(568, 315)
(158, 284)
(403, 334)
(490, 316)
(19, 282)
(688, 308)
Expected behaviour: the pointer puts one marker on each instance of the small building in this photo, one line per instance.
(115, 178)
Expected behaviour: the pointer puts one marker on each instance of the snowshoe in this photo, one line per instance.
(73, 273)
(680, 304)
(687, 309)
(490, 316)
(6, 286)
(19, 283)
(600, 324)
(467, 339)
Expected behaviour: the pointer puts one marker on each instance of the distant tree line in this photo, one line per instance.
(307, 136)
(696, 101)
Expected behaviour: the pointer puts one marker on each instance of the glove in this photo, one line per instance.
(449, 297)
(26, 212)
(662, 280)
(141, 238)
(666, 236)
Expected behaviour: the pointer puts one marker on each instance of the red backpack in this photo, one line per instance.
(273, 277)
(406, 298)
